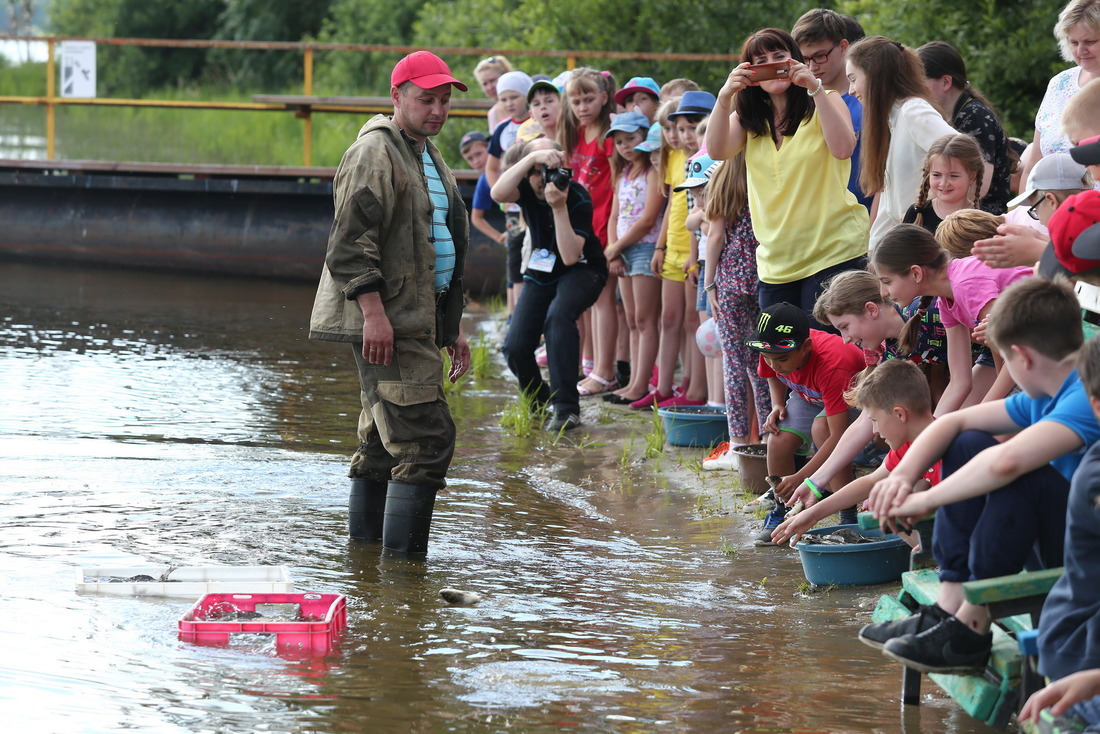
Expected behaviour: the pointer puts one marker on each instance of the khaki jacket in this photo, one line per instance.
(381, 240)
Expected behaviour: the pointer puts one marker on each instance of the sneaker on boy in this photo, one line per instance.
(949, 647)
(878, 634)
(771, 521)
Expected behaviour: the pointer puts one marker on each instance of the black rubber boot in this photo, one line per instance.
(408, 517)
(366, 507)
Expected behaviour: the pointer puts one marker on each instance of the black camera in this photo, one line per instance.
(560, 177)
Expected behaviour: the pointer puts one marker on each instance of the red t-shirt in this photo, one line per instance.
(894, 458)
(827, 374)
(591, 164)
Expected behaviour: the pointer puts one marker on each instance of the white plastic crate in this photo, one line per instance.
(186, 581)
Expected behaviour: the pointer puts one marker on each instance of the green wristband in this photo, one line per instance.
(813, 488)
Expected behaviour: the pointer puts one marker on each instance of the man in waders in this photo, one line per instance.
(392, 286)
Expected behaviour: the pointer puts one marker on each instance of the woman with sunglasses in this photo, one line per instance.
(798, 137)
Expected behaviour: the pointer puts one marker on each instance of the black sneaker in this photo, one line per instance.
(878, 634)
(562, 422)
(949, 647)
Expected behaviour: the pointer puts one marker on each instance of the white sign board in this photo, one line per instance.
(78, 69)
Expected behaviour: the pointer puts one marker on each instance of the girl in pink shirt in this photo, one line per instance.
(910, 263)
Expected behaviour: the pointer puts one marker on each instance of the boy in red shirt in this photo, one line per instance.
(808, 372)
(896, 398)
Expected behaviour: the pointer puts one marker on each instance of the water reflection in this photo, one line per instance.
(170, 420)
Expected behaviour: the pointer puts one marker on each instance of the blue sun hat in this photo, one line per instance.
(628, 122)
(652, 140)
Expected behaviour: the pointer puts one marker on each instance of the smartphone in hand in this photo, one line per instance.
(771, 70)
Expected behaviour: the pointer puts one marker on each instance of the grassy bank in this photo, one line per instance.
(183, 135)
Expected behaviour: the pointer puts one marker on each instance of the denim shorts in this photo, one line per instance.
(637, 258)
(702, 303)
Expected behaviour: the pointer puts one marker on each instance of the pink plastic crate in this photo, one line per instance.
(323, 617)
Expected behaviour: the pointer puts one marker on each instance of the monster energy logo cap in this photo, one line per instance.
(781, 328)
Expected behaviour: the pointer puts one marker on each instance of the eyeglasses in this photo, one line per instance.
(782, 344)
(822, 56)
(1033, 211)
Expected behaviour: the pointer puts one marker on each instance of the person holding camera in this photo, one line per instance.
(564, 276)
(798, 137)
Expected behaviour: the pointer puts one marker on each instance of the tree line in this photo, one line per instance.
(1008, 45)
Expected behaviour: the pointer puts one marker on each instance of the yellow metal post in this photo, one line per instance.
(571, 63)
(307, 145)
(51, 90)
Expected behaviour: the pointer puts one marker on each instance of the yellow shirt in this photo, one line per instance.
(803, 214)
(678, 239)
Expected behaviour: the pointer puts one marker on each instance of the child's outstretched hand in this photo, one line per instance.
(784, 491)
(771, 423)
(887, 494)
(802, 494)
(792, 527)
(1062, 694)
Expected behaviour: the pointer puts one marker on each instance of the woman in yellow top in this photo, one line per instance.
(798, 139)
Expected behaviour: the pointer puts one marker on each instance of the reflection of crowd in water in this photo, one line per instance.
(838, 247)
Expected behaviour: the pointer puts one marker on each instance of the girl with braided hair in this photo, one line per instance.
(952, 173)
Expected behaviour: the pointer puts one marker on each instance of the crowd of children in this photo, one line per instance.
(836, 214)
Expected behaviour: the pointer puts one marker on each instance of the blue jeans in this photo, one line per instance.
(804, 292)
(993, 534)
(552, 309)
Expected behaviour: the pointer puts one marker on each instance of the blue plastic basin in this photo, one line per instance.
(857, 564)
(693, 425)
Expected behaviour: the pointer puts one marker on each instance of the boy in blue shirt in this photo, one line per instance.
(1069, 628)
(996, 499)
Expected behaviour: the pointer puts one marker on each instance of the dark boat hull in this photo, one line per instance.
(160, 218)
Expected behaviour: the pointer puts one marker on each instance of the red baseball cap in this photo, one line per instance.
(1074, 236)
(425, 70)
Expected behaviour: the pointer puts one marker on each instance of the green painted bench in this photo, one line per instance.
(1013, 601)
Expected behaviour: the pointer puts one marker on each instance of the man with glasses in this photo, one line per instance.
(824, 37)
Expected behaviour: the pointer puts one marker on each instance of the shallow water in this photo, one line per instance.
(155, 420)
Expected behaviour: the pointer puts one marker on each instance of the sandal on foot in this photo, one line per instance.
(604, 386)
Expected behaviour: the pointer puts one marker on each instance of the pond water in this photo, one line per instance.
(167, 420)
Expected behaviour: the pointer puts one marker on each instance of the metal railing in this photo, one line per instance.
(303, 109)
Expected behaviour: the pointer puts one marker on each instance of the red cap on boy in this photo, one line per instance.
(1074, 236)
